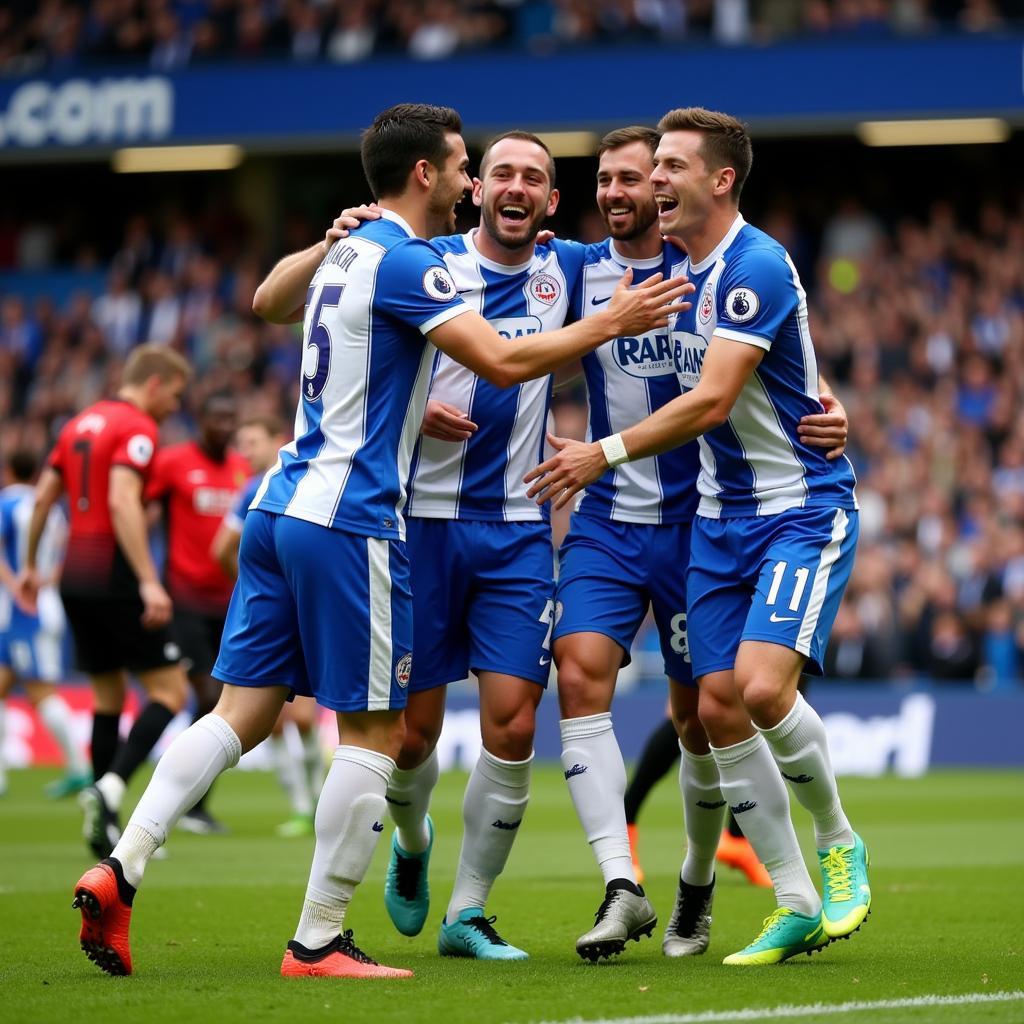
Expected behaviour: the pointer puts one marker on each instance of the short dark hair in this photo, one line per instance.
(726, 140)
(22, 464)
(624, 136)
(399, 137)
(518, 133)
(222, 395)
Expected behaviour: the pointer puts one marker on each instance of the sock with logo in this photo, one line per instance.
(186, 770)
(349, 823)
(148, 728)
(56, 716)
(800, 748)
(105, 739)
(703, 811)
(753, 788)
(492, 811)
(290, 775)
(408, 800)
(593, 767)
(659, 754)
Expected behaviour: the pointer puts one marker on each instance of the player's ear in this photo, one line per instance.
(423, 172)
(552, 202)
(478, 192)
(724, 181)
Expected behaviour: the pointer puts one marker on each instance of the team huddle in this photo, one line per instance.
(402, 540)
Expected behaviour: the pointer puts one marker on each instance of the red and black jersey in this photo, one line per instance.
(110, 433)
(197, 492)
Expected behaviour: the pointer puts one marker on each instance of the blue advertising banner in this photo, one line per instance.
(820, 85)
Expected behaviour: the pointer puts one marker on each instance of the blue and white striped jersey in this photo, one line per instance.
(482, 478)
(365, 373)
(754, 464)
(627, 379)
(16, 502)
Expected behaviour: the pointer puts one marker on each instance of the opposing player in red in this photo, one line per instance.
(118, 610)
(198, 483)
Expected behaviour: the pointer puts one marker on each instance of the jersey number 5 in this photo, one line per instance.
(317, 363)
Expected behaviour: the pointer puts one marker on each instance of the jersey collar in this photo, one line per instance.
(712, 257)
(649, 264)
(400, 221)
(497, 268)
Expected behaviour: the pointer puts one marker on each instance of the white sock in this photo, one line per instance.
(704, 812)
(593, 767)
(312, 760)
(349, 821)
(56, 716)
(492, 811)
(3, 733)
(408, 800)
(290, 775)
(754, 789)
(799, 745)
(182, 776)
(112, 788)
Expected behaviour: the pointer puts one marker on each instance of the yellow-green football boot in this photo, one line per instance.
(785, 933)
(846, 894)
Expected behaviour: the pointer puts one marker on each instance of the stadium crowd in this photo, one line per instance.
(920, 329)
(165, 34)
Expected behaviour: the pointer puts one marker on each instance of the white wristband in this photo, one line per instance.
(614, 450)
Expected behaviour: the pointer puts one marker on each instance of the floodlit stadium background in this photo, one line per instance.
(156, 158)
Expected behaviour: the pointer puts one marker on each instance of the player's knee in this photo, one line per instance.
(581, 690)
(418, 742)
(511, 737)
(718, 717)
(169, 688)
(690, 730)
(763, 698)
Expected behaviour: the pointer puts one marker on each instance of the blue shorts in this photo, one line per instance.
(31, 652)
(483, 595)
(610, 572)
(774, 578)
(324, 612)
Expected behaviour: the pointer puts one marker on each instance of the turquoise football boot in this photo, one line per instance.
(846, 894)
(785, 933)
(406, 889)
(472, 935)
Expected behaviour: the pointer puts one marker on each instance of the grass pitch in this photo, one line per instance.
(212, 920)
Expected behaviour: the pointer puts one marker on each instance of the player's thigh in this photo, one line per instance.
(379, 731)
(440, 581)
(804, 565)
(303, 711)
(261, 645)
(251, 711)
(354, 607)
(508, 714)
(512, 602)
(668, 566)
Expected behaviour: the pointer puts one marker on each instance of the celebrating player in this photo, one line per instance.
(774, 536)
(32, 644)
(118, 610)
(323, 606)
(198, 482)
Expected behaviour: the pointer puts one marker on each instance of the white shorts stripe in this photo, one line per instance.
(819, 588)
(381, 655)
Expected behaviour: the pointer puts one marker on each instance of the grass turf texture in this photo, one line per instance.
(212, 920)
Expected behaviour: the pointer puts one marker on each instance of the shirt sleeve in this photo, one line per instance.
(159, 481)
(572, 257)
(415, 287)
(136, 449)
(756, 293)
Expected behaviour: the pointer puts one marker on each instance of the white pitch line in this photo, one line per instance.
(809, 1010)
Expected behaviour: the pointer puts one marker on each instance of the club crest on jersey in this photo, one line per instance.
(140, 449)
(544, 288)
(707, 305)
(438, 284)
(403, 670)
(742, 304)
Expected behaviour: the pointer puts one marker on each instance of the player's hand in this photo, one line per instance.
(545, 236)
(445, 422)
(828, 429)
(348, 219)
(574, 465)
(26, 591)
(648, 305)
(156, 605)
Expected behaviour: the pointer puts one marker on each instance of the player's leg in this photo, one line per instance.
(660, 752)
(59, 722)
(304, 712)
(292, 778)
(7, 681)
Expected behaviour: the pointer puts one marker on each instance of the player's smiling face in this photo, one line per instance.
(514, 193)
(683, 186)
(450, 186)
(624, 194)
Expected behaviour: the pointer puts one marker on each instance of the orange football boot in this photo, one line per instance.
(737, 852)
(341, 958)
(105, 900)
(634, 852)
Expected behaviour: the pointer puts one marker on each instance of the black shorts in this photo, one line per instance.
(198, 635)
(109, 635)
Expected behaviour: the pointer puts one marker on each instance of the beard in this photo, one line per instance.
(643, 217)
(504, 237)
(441, 213)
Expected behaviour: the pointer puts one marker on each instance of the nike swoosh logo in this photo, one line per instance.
(465, 291)
(545, 661)
(775, 617)
(595, 301)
